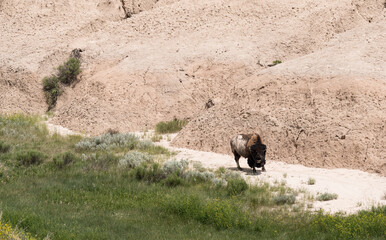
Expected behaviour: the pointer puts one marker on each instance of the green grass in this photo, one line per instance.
(124, 192)
(170, 127)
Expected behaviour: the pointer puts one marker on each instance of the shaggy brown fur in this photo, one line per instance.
(251, 147)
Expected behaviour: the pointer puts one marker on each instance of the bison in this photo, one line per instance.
(251, 147)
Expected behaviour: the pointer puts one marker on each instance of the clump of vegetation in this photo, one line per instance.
(152, 173)
(135, 159)
(236, 186)
(100, 161)
(274, 63)
(368, 224)
(175, 166)
(51, 90)
(30, 157)
(4, 147)
(171, 126)
(284, 199)
(64, 159)
(67, 74)
(173, 180)
(8, 232)
(156, 138)
(199, 176)
(311, 181)
(109, 142)
(327, 196)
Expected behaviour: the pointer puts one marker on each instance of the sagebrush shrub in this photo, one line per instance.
(218, 182)
(134, 159)
(284, 199)
(68, 72)
(30, 157)
(198, 176)
(108, 141)
(175, 166)
(327, 196)
(311, 181)
(64, 159)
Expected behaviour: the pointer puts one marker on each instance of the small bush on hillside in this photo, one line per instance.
(327, 196)
(51, 90)
(68, 72)
(236, 186)
(64, 159)
(284, 199)
(274, 63)
(4, 147)
(30, 157)
(134, 159)
(171, 126)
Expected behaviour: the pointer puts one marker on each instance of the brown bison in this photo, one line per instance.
(251, 147)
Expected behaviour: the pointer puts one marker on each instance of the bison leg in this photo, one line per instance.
(263, 168)
(237, 158)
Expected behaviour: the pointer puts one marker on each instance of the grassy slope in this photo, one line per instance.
(94, 199)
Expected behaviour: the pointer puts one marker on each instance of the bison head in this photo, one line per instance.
(258, 151)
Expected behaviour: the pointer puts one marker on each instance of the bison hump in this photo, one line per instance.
(252, 141)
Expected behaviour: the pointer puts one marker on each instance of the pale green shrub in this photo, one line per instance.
(134, 159)
(175, 166)
(327, 196)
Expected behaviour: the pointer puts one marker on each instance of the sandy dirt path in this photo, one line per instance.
(356, 189)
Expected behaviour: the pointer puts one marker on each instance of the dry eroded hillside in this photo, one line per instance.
(323, 106)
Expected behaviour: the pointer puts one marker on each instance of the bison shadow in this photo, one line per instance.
(248, 171)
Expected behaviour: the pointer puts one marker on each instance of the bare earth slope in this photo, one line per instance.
(324, 106)
(329, 113)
